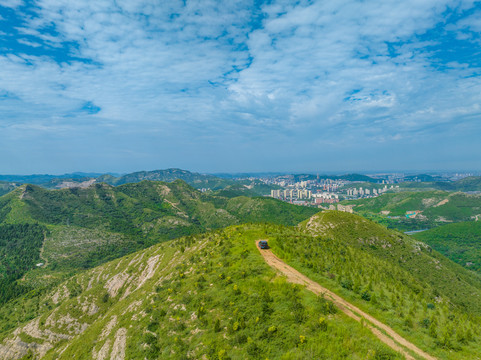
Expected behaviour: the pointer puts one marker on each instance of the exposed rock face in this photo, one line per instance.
(73, 314)
(118, 350)
(115, 283)
(14, 347)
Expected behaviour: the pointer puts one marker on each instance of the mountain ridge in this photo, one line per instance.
(217, 277)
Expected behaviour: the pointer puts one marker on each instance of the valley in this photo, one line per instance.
(162, 270)
(232, 180)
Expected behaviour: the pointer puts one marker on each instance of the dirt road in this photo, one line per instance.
(382, 331)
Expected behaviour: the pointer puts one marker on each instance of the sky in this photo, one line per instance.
(233, 86)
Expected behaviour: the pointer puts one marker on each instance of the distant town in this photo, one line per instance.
(326, 193)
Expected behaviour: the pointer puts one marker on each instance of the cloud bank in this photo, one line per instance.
(242, 85)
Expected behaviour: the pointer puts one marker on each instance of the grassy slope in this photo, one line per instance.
(220, 276)
(87, 227)
(437, 208)
(459, 242)
(194, 179)
(399, 203)
(206, 295)
(165, 210)
(424, 296)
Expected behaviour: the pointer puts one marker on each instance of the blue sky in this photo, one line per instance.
(227, 86)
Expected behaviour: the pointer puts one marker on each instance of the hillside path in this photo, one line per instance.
(392, 339)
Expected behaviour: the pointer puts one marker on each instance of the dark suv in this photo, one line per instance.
(263, 244)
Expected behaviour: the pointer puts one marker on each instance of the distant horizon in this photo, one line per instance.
(219, 173)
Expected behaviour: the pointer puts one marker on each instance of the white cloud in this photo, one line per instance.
(11, 3)
(348, 69)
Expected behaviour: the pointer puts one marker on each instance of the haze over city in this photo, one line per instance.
(239, 86)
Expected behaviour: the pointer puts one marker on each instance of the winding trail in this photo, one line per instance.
(380, 330)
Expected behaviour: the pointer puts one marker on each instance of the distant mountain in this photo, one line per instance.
(44, 178)
(231, 187)
(471, 183)
(468, 184)
(422, 178)
(197, 180)
(167, 175)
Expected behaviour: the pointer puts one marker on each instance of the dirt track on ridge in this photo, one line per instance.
(392, 339)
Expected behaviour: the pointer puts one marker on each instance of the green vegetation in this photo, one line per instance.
(209, 296)
(194, 179)
(435, 208)
(71, 247)
(459, 242)
(162, 210)
(404, 283)
(87, 227)
(19, 252)
(247, 188)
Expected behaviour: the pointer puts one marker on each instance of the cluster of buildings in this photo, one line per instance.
(291, 194)
(305, 197)
(325, 198)
(360, 193)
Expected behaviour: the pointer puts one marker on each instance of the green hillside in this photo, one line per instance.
(471, 183)
(19, 252)
(435, 208)
(205, 296)
(86, 227)
(459, 242)
(430, 300)
(227, 187)
(157, 209)
(168, 175)
(247, 188)
(211, 295)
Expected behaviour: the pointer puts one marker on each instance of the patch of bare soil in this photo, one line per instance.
(442, 202)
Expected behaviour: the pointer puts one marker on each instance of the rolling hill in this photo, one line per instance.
(82, 228)
(397, 279)
(460, 242)
(433, 208)
(228, 187)
(168, 175)
(212, 296)
(204, 296)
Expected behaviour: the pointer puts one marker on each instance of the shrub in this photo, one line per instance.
(322, 324)
(366, 295)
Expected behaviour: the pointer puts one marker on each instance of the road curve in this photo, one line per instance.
(392, 339)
